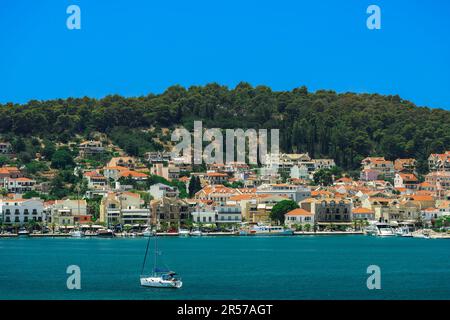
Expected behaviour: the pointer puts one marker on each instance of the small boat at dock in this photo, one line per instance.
(23, 233)
(105, 233)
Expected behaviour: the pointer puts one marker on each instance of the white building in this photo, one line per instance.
(204, 214)
(5, 148)
(132, 215)
(294, 192)
(18, 185)
(160, 190)
(229, 213)
(22, 211)
(298, 216)
(300, 172)
(430, 214)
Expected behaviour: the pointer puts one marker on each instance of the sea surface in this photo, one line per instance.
(299, 267)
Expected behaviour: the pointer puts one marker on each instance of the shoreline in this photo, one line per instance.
(214, 234)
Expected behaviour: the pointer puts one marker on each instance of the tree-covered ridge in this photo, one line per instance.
(346, 127)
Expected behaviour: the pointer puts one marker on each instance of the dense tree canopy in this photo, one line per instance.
(346, 127)
(281, 208)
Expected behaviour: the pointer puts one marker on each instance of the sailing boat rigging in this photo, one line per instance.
(160, 277)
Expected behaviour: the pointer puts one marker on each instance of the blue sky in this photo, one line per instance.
(136, 47)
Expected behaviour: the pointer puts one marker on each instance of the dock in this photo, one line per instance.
(327, 233)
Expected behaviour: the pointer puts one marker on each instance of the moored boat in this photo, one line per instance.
(183, 232)
(105, 233)
(23, 233)
(76, 233)
(267, 230)
(148, 232)
(196, 233)
(159, 278)
(380, 229)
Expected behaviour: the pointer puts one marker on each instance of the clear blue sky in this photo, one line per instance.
(134, 47)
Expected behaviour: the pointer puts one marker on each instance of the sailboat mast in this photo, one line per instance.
(145, 256)
(156, 251)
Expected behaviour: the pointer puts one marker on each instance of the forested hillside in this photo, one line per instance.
(346, 127)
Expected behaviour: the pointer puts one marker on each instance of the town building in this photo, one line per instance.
(95, 180)
(22, 211)
(294, 192)
(5, 148)
(406, 180)
(171, 212)
(298, 216)
(407, 165)
(160, 190)
(92, 147)
(439, 161)
(123, 208)
(229, 213)
(380, 165)
(68, 212)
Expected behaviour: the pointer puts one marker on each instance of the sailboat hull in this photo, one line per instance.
(158, 282)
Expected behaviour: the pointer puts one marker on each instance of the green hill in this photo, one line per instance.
(346, 127)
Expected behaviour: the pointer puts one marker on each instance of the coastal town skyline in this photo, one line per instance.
(206, 152)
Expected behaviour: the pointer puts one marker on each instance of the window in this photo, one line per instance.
(25, 211)
(34, 211)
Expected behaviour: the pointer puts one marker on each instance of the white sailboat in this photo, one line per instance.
(148, 232)
(159, 278)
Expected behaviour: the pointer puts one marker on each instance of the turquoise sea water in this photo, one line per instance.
(304, 267)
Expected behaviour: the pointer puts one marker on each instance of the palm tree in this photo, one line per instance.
(53, 227)
(307, 227)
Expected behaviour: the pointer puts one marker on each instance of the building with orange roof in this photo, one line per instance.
(429, 215)
(384, 167)
(216, 177)
(18, 185)
(439, 161)
(217, 193)
(440, 179)
(135, 175)
(423, 201)
(362, 213)
(298, 216)
(128, 162)
(406, 180)
(113, 172)
(95, 180)
(407, 165)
